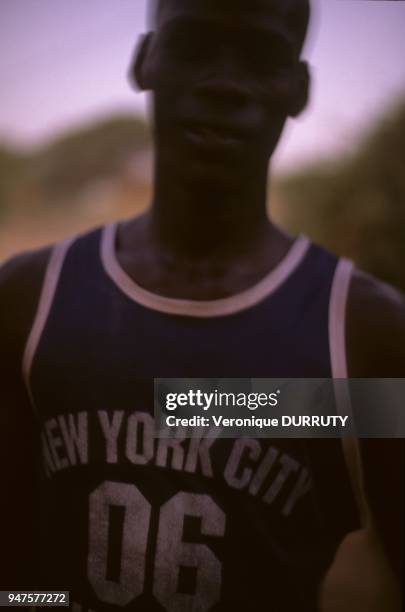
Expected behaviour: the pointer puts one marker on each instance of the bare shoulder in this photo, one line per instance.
(375, 329)
(21, 279)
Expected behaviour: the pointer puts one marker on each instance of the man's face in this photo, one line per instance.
(225, 76)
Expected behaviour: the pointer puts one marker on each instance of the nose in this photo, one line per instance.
(223, 80)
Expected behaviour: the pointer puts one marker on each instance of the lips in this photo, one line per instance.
(214, 134)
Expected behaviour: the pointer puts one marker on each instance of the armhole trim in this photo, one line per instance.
(49, 285)
(337, 318)
(352, 456)
(337, 347)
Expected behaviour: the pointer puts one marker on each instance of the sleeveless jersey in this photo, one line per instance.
(132, 522)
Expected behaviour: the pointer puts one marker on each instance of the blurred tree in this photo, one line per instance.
(12, 167)
(58, 172)
(93, 153)
(355, 205)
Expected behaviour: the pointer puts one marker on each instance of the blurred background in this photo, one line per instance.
(75, 145)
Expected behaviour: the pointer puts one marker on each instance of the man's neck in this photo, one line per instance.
(200, 240)
(201, 217)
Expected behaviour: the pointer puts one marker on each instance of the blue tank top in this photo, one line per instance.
(129, 521)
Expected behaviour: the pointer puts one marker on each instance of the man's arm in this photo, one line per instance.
(376, 349)
(20, 285)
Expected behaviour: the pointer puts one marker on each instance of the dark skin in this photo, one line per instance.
(207, 234)
(218, 118)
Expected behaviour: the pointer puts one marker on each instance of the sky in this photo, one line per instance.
(64, 63)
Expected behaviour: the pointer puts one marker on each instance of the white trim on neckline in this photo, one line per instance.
(204, 308)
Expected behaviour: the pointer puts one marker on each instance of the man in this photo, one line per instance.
(201, 285)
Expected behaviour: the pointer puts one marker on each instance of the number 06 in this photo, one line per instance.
(171, 551)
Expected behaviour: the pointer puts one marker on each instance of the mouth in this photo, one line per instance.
(214, 135)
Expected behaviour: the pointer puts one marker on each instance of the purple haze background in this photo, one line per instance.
(62, 63)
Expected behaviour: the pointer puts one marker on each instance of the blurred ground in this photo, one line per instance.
(29, 229)
(355, 205)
